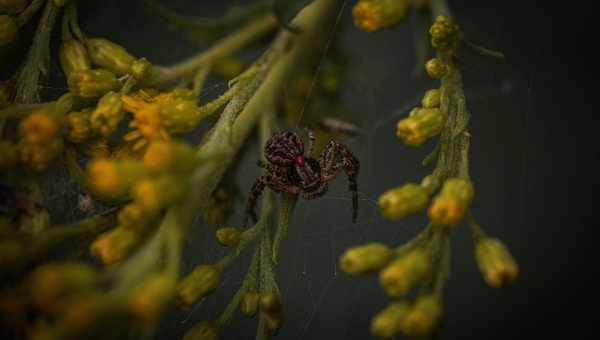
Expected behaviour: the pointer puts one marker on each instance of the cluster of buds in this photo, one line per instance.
(410, 318)
(153, 183)
(41, 139)
(373, 15)
(445, 35)
(450, 205)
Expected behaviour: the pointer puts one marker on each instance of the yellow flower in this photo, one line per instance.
(373, 15)
(422, 124)
(39, 127)
(450, 205)
(105, 178)
(166, 156)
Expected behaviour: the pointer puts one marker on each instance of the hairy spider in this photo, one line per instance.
(290, 170)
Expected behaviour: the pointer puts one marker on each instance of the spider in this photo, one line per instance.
(290, 170)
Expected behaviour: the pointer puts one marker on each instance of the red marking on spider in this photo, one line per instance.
(300, 160)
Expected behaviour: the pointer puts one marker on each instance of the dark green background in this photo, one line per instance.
(532, 162)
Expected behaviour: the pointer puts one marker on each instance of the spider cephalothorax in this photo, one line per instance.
(289, 170)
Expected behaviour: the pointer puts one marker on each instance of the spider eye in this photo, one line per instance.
(300, 160)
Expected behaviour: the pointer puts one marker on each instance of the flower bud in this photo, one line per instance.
(168, 156)
(13, 6)
(9, 29)
(9, 155)
(73, 57)
(51, 283)
(38, 157)
(386, 324)
(97, 148)
(495, 262)
(180, 115)
(134, 217)
(92, 83)
(106, 54)
(249, 303)
(78, 125)
(444, 33)
(432, 98)
(270, 303)
(364, 259)
(405, 200)
(149, 298)
(228, 237)
(373, 15)
(153, 194)
(199, 283)
(39, 127)
(228, 67)
(405, 272)
(112, 246)
(421, 125)
(273, 321)
(114, 178)
(423, 317)
(141, 69)
(450, 205)
(436, 68)
(108, 114)
(205, 330)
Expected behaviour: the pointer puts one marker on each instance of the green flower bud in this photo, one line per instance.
(364, 259)
(273, 321)
(141, 69)
(108, 114)
(9, 155)
(495, 262)
(73, 57)
(92, 83)
(386, 324)
(228, 236)
(373, 15)
(38, 156)
(167, 156)
(13, 6)
(180, 115)
(114, 245)
(270, 303)
(444, 33)
(9, 29)
(423, 317)
(106, 54)
(205, 330)
(436, 68)
(150, 297)
(405, 272)
(153, 194)
(450, 205)
(199, 283)
(78, 125)
(249, 303)
(420, 126)
(403, 201)
(432, 98)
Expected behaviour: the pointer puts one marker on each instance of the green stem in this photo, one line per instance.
(283, 222)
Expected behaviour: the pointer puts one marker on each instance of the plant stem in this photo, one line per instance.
(283, 222)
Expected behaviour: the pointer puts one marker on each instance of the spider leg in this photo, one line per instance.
(331, 167)
(276, 182)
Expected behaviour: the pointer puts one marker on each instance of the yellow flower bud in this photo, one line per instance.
(450, 205)
(432, 98)
(405, 272)
(9, 155)
(166, 156)
(149, 298)
(114, 178)
(112, 246)
(436, 68)
(269, 303)
(37, 157)
(134, 217)
(153, 194)
(39, 127)
(9, 29)
(205, 330)
(386, 324)
(50, 283)
(141, 69)
(13, 6)
(420, 126)
(73, 57)
(228, 236)
(199, 283)
(364, 259)
(405, 200)
(78, 125)
(495, 262)
(108, 114)
(444, 34)
(92, 83)
(373, 15)
(249, 303)
(180, 115)
(113, 57)
(423, 317)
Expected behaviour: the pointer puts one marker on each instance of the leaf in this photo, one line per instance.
(286, 11)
